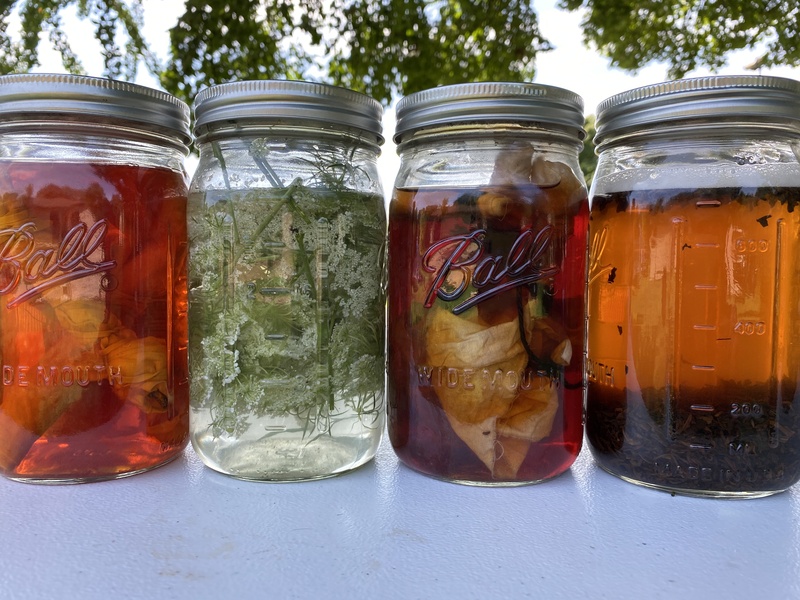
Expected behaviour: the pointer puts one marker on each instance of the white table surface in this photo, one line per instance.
(385, 531)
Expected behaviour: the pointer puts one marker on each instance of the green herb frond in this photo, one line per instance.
(287, 302)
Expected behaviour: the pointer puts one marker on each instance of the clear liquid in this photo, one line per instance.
(275, 448)
(287, 313)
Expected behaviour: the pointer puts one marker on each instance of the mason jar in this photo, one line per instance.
(92, 278)
(694, 287)
(286, 280)
(487, 280)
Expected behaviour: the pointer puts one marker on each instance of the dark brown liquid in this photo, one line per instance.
(693, 369)
(92, 320)
(726, 448)
(434, 379)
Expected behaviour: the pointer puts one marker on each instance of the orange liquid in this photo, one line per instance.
(693, 329)
(92, 320)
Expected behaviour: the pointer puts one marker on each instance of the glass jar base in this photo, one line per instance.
(71, 480)
(694, 493)
(479, 482)
(276, 460)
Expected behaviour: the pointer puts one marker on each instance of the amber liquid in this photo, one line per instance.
(92, 320)
(693, 321)
(420, 431)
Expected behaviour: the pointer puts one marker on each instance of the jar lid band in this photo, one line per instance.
(489, 102)
(750, 97)
(269, 101)
(79, 97)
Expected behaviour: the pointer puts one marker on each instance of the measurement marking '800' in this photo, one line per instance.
(751, 246)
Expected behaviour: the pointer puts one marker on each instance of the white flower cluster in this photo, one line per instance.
(287, 305)
(222, 358)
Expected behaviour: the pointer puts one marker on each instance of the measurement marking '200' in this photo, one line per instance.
(737, 409)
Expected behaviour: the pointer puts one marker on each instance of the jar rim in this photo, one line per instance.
(81, 98)
(490, 102)
(264, 101)
(746, 98)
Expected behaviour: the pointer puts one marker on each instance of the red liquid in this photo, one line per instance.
(454, 270)
(92, 320)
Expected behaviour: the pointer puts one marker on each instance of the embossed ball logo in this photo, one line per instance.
(39, 269)
(462, 260)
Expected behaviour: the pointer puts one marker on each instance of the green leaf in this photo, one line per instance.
(113, 20)
(587, 157)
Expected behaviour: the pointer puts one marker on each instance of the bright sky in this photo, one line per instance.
(571, 65)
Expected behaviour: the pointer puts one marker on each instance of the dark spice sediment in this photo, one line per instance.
(745, 441)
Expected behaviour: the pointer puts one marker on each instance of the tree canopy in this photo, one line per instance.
(687, 35)
(112, 20)
(381, 47)
(390, 47)
(588, 158)
(395, 47)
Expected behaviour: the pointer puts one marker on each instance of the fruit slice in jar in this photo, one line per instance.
(496, 420)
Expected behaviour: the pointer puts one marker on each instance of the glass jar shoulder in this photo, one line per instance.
(672, 167)
(254, 162)
(490, 174)
(92, 145)
(471, 161)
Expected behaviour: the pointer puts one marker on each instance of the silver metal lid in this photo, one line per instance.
(89, 98)
(489, 102)
(749, 97)
(301, 101)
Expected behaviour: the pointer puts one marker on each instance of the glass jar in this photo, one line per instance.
(92, 278)
(286, 280)
(694, 287)
(487, 263)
